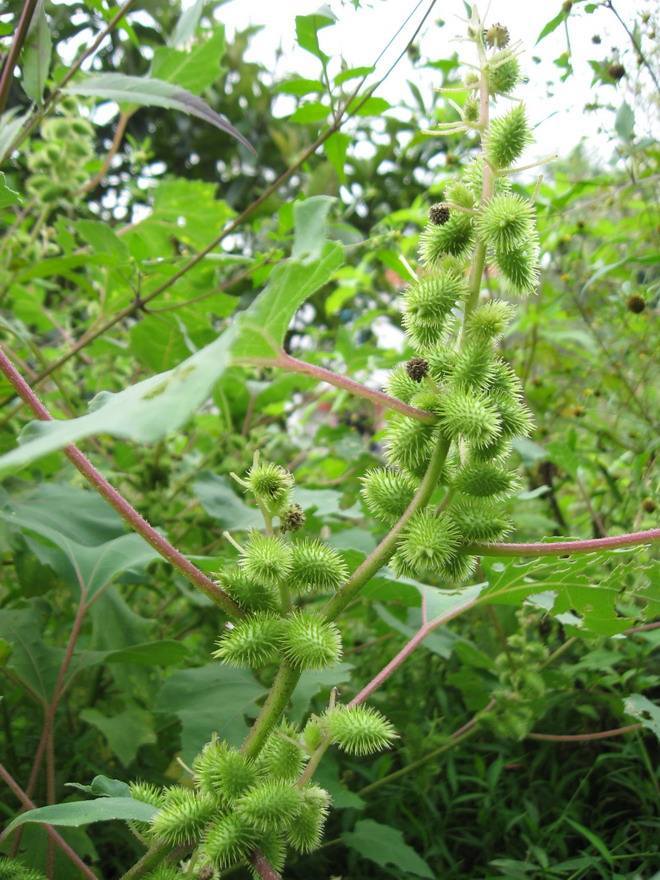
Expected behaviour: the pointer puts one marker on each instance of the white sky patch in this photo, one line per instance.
(360, 35)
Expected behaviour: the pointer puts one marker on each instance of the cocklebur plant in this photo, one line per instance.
(442, 493)
(240, 802)
(444, 488)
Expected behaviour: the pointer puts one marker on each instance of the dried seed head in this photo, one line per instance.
(636, 303)
(417, 368)
(438, 214)
(616, 71)
(497, 36)
(292, 519)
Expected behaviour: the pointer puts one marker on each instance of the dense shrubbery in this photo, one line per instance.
(264, 678)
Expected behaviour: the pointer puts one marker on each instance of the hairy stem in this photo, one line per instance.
(263, 867)
(407, 650)
(151, 859)
(123, 507)
(271, 711)
(566, 548)
(385, 550)
(584, 737)
(293, 365)
(15, 50)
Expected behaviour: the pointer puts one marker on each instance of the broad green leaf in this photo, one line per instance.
(371, 107)
(187, 25)
(300, 86)
(312, 111)
(36, 55)
(149, 410)
(221, 502)
(124, 731)
(385, 846)
(102, 239)
(88, 569)
(335, 149)
(144, 412)
(195, 69)
(149, 92)
(159, 343)
(328, 776)
(307, 32)
(210, 699)
(551, 26)
(79, 813)
(166, 652)
(89, 519)
(352, 73)
(32, 662)
(7, 195)
(625, 122)
(646, 712)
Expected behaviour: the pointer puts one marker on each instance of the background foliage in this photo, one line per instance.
(83, 249)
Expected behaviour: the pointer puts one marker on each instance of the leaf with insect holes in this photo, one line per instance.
(583, 591)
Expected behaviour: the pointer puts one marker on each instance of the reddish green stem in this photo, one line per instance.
(566, 548)
(20, 34)
(293, 365)
(123, 507)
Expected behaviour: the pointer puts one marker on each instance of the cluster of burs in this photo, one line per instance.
(457, 373)
(57, 160)
(239, 802)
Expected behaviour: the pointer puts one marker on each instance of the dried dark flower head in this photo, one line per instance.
(649, 505)
(616, 71)
(636, 303)
(292, 519)
(417, 368)
(439, 214)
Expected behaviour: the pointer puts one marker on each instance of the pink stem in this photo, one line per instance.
(50, 831)
(120, 504)
(407, 650)
(584, 737)
(561, 548)
(263, 867)
(293, 365)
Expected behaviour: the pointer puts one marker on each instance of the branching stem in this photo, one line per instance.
(293, 365)
(123, 507)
